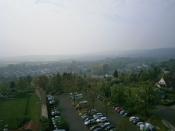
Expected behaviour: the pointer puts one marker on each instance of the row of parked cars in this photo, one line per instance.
(3, 125)
(97, 121)
(143, 126)
(93, 120)
(54, 113)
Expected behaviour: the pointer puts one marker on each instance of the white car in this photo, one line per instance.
(101, 119)
(149, 126)
(133, 118)
(121, 112)
(97, 115)
(140, 123)
(87, 122)
(57, 117)
(142, 127)
(106, 123)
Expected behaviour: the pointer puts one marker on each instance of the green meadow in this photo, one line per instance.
(15, 111)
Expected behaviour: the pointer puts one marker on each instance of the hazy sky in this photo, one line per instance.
(45, 27)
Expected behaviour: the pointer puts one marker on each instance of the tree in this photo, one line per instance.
(12, 85)
(55, 84)
(92, 93)
(118, 94)
(12, 88)
(115, 74)
(23, 83)
(147, 98)
(91, 90)
(42, 81)
(105, 89)
(106, 93)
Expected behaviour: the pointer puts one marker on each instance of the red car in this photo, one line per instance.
(118, 109)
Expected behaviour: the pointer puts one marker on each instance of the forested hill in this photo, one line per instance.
(159, 53)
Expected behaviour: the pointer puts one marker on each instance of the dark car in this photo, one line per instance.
(109, 128)
(98, 129)
(94, 127)
(135, 121)
(103, 126)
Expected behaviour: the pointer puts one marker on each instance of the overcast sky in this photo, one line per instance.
(50, 27)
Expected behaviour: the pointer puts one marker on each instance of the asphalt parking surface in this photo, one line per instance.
(70, 114)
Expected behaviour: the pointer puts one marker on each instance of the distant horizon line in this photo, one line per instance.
(112, 52)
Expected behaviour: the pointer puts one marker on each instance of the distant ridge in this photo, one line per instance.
(152, 53)
(161, 53)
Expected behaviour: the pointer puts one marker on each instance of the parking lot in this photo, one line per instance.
(75, 122)
(70, 114)
(115, 118)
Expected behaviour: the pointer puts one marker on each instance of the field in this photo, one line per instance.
(13, 111)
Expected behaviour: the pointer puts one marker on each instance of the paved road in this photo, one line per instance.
(167, 113)
(70, 114)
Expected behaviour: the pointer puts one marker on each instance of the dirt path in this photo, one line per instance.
(41, 94)
(70, 114)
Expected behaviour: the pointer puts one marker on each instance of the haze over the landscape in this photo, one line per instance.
(87, 65)
(65, 27)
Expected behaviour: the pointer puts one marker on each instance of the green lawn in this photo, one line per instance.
(12, 111)
(34, 108)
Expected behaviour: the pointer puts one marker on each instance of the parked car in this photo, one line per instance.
(141, 126)
(140, 123)
(149, 127)
(55, 112)
(82, 104)
(51, 102)
(133, 118)
(125, 114)
(98, 129)
(101, 119)
(135, 121)
(117, 109)
(89, 122)
(50, 97)
(104, 125)
(5, 129)
(97, 115)
(88, 118)
(84, 116)
(94, 127)
(122, 112)
(110, 127)
(59, 129)
(57, 117)
(92, 111)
